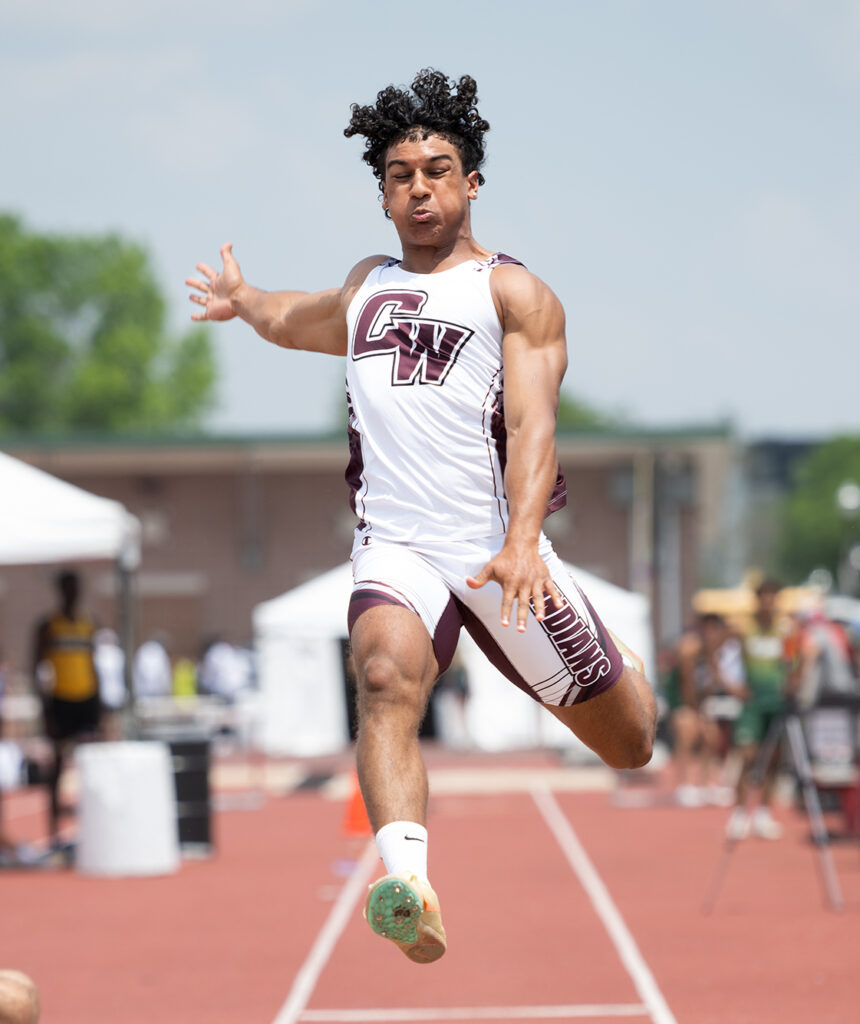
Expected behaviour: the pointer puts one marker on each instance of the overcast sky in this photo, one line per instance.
(684, 173)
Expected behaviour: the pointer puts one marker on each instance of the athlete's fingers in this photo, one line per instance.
(484, 576)
(227, 256)
(555, 594)
(523, 608)
(508, 594)
(539, 603)
(195, 282)
(207, 271)
(199, 299)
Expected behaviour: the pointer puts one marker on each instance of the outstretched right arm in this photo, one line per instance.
(312, 321)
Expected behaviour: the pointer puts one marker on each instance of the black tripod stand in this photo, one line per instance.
(790, 725)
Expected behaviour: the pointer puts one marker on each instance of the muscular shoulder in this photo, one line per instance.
(522, 298)
(355, 278)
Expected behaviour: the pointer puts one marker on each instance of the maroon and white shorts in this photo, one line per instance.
(569, 657)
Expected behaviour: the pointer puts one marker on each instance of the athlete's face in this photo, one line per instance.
(426, 192)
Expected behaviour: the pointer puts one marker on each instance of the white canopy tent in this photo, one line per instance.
(46, 520)
(299, 637)
(43, 519)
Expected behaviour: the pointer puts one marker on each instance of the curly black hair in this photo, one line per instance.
(437, 105)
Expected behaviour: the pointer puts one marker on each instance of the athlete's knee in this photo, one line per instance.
(619, 730)
(635, 726)
(635, 747)
(629, 743)
(382, 681)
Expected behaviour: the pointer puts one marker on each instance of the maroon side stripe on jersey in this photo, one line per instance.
(355, 467)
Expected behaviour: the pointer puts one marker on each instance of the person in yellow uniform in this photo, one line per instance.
(67, 680)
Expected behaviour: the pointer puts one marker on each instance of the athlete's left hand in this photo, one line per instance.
(523, 576)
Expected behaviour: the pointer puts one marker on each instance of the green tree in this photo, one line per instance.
(814, 531)
(83, 342)
(575, 414)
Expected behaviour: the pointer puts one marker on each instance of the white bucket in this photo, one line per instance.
(127, 822)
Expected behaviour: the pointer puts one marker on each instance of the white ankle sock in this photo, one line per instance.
(402, 846)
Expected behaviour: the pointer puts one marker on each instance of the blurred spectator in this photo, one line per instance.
(184, 678)
(767, 663)
(151, 671)
(66, 678)
(12, 763)
(225, 670)
(822, 658)
(10, 771)
(708, 697)
(109, 659)
(19, 998)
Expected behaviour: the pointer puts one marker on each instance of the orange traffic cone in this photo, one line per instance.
(355, 820)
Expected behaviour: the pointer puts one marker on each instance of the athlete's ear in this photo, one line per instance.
(472, 184)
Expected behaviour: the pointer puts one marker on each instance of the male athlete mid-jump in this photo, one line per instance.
(454, 358)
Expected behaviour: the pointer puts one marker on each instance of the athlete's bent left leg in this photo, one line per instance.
(571, 664)
(619, 724)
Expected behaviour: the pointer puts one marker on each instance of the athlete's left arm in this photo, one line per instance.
(535, 358)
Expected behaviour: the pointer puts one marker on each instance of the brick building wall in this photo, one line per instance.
(228, 524)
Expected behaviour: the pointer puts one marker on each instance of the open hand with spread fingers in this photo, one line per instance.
(217, 291)
(524, 578)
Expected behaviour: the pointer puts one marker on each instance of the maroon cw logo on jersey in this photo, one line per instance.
(422, 349)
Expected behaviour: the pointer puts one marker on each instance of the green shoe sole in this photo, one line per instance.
(393, 910)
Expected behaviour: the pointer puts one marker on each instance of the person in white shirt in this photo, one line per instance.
(151, 670)
(109, 660)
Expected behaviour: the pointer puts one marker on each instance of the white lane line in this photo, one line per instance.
(467, 1013)
(608, 913)
(323, 947)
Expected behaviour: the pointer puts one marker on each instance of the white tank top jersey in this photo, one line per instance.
(425, 386)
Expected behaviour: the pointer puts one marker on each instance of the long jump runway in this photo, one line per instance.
(559, 906)
(534, 933)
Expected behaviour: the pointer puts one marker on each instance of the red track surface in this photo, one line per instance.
(223, 940)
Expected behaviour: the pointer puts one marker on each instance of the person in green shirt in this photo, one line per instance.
(766, 663)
